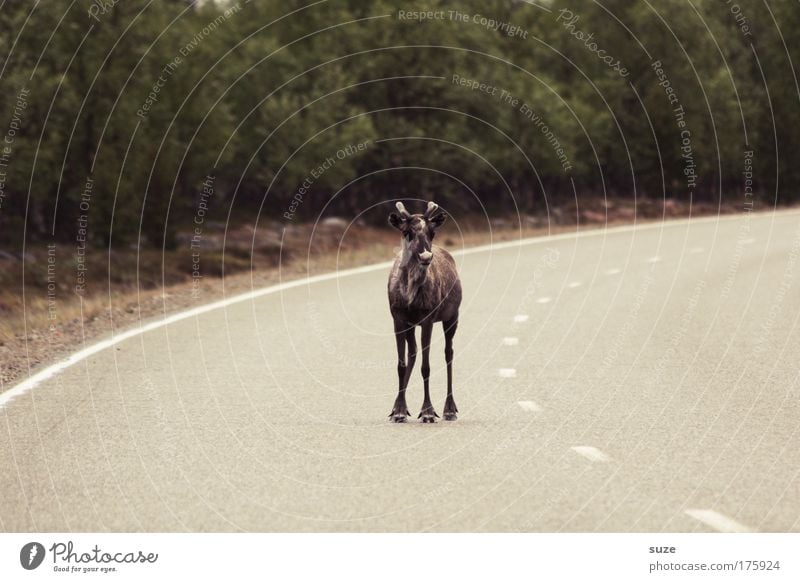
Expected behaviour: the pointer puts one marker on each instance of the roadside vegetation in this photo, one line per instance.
(154, 155)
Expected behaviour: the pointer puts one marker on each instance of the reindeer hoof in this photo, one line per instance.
(398, 417)
(428, 414)
(450, 409)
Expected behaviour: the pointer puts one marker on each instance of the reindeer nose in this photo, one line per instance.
(425, 258)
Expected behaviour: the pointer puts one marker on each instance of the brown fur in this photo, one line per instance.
(421, 294)
(434, 291)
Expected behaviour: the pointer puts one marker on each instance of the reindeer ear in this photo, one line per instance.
(438, 219)
(396, 221)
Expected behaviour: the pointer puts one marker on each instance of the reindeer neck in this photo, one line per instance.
(412, 278)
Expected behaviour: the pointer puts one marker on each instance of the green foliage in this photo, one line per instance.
(148, 99)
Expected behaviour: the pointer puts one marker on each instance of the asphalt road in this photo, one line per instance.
(637, 379)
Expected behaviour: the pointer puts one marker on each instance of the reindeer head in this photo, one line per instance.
(418, 231)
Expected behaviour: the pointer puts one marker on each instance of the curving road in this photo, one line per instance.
(633, 379)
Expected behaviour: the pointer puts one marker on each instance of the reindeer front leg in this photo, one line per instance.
(400, 410)
(427, 414)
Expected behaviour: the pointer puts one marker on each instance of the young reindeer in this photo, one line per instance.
(424, 288)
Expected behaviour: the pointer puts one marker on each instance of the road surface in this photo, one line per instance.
(640, 379)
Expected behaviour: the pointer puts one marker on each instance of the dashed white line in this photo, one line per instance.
(613, 272)
(507, 373)
(593, 454)
(652, 260)
(543, 300)
(520, 318)
(529, 405)
(510, 341)
(717, 521)
(574, 284)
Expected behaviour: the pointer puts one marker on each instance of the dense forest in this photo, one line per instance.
(123, 121)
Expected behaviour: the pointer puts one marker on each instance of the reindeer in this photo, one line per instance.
(424, 288)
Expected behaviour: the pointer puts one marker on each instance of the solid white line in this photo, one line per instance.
(521, 318)
(50, 371)
(543, 300)
(507, 372)
(510, 341)
(617, 230)
(718, 521)
(593, 454)
(81, 355)
(529, 405)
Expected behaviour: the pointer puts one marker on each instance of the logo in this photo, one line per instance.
(31, 555)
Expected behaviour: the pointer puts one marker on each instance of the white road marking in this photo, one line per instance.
(510, 341)
(529, 405)
(593, 454)
(653, 260)
(574, 284)
(543, 300)
(507, 373)
(717, 521)
(748, 241)
(520, 318)
(36, 379)
(613, 272)
(696, 250)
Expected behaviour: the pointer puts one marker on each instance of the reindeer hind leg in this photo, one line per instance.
(450, 409)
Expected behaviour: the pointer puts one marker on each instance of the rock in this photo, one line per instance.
(532, 221)
(593, 216)
(334, 222)
(626, 213)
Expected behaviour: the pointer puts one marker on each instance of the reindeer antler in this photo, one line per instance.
(402, 210)
(432, 208)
